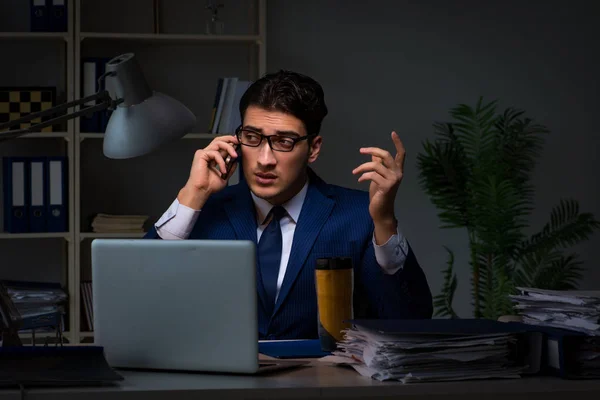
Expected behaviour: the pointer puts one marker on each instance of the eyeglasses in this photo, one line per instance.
(251, 138)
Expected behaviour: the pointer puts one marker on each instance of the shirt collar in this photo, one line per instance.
(293, 206)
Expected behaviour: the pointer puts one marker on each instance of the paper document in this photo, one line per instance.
(567, 309)
(429, 356)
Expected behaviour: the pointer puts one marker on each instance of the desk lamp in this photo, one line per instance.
(142, 119)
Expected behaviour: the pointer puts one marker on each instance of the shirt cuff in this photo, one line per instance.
(392, 254)
(177, 222)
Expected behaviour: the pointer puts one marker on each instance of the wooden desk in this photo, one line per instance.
(318, 380)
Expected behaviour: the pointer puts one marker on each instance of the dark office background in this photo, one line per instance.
(402, 65)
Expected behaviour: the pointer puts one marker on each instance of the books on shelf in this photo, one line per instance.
(110, 223)
(225, 115)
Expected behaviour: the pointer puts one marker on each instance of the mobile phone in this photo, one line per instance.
(229, 162)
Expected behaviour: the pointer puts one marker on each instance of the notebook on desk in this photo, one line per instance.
(186, 305)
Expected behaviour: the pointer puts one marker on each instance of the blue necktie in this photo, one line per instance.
(269, 255)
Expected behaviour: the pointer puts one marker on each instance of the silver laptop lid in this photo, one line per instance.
(176, 304)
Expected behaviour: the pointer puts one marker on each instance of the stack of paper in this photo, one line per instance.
(441, 350)
(106, 223)
(575, 310)
(39, 304)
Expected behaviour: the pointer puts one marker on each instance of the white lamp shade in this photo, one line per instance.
(139, 129)
(144, 119)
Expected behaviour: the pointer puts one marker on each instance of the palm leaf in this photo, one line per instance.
(443, 176)
(442, 302)
(477, 172)
(475, 129)
(567, 226)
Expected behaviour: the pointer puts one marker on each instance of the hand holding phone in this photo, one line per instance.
(209, 172)
(229, 162)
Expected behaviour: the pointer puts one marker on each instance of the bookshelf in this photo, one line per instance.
(40, 59)
(179, 60)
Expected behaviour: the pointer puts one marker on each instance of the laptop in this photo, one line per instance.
(186, 305)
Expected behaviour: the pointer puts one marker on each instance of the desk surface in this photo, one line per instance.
(317, 380)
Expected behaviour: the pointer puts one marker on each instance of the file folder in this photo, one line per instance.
(56, 190)
(16, 182)
(92, 68)
(58, 16)
(37, 189)
(562, 350)
(38, 16)
(89, 74)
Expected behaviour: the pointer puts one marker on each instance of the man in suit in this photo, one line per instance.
(294, 217)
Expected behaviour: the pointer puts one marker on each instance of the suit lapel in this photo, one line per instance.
(315, 212)
(242, 215)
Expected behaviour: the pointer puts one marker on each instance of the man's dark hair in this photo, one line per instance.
(288, 92)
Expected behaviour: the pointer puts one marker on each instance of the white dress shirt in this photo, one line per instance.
(178, 221)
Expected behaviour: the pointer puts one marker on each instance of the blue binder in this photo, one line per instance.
(16, 190)
(37, 194)
(91, 69)
(39, 18)
(562, 348)
(57, 15)
(56, 192)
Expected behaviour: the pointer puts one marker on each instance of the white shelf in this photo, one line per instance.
(35, 35)
(253, 56)
(93, 135)
(37, 135)
(164, 37)
(119, 235)
(34, 235)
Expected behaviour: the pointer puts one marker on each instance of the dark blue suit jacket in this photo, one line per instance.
(334, 222)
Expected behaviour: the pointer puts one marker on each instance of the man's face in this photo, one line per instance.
(274, 175)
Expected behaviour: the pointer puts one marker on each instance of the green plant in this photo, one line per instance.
(477, 172)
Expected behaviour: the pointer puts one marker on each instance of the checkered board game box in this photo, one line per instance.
(17, 102)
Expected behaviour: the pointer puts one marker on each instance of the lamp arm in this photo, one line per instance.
(105, 102)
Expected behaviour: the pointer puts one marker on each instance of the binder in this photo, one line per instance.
(91, 69)
(16, 188)
(37, 197)
(56, 191)
(38, 16)
(562, 348)
(89, 123)
(57, 16)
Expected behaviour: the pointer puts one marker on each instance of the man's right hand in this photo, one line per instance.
(205, 179)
